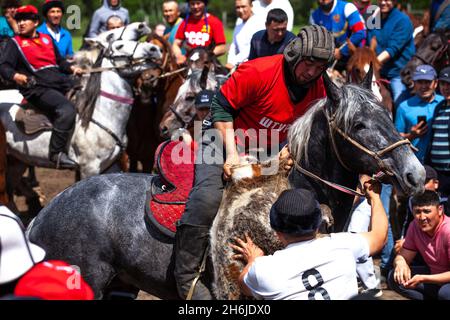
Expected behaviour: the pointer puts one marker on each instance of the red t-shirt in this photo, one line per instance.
(195, 32)
(39, 52)
(258, 90)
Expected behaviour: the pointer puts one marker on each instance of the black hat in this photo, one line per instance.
(51, 4)
(296, 212)
(444, 75)
(204, 99)
(430, 173)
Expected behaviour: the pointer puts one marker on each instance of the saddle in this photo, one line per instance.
(31, 121)
(167, 197)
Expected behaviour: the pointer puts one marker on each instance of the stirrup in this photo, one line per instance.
(201, 269)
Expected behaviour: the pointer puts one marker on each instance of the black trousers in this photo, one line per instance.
(57, 107)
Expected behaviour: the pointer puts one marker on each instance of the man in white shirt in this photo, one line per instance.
(310, 267)
(246, 26)
(262, 7)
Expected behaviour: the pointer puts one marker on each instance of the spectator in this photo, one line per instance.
(171, 14)
(278, 89)
(344, 21)
(414, 114)
(109, 8)
(439, 15)
(48, 78)
(262, 8)
(432, 184)
(395, 46)
(53, 11)
(160, 29)
(8, 26)
(17, 253)
(246, 26)
(114, 22)
(310, 267)
(274, 39)
(199, 29)
(428, 235)
(438, 155)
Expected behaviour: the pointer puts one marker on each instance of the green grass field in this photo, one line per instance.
(77, 40)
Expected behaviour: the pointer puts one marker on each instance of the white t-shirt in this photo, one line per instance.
(242, 37)
(319, 269)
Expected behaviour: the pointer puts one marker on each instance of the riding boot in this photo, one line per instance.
(57, 152)
(190, 250)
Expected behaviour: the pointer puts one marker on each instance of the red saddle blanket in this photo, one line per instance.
(167, 197)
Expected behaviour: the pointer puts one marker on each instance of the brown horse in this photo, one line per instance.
(359, 63)
(148, 110)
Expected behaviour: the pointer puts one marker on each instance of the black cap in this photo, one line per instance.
(296, 212)
(204, 99)
(444, 75)
(430, 173)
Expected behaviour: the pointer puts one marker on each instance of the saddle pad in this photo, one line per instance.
(31, 121)
(166, 200)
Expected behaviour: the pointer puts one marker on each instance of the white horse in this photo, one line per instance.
(105, 106)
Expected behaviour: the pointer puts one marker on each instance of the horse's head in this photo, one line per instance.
(366, 139)
(360, 60)
(433, 49)
(182, 113)
(361, 136)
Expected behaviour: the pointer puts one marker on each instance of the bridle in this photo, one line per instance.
(376, 155)
(186, 124)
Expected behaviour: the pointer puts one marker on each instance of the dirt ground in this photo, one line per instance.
(53, 182)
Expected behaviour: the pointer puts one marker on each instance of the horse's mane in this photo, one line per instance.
(85, 104)
(353, 98)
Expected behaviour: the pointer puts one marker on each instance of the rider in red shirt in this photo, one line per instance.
(265, 96)
(199, 29)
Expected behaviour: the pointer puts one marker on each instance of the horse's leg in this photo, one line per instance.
(3, 191)
(32, 177)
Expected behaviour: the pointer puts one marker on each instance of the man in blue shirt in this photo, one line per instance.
(414, 114)
(274, 39)
(53, 11)
(8, 26)
(343, 20)
(395, 45)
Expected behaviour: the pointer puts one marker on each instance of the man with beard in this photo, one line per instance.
(53, 11)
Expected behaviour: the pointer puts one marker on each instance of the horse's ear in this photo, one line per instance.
(367, 81)
(373, 44)
(351, 46)
(204, 77)
(333, 92)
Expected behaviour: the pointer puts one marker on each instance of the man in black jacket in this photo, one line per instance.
(32, 61)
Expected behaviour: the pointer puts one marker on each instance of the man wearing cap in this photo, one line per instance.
(274, 39)
(8, 26)
(199, 29)
(413, 115)
(309, 267)
(33, 62)
(438, 153)
(53, 11)
(256, 105)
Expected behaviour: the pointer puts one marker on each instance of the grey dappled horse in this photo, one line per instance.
(100, 132)
(98, 224)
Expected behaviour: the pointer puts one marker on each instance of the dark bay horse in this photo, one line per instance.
(98, 224)
(435, 51)
(148, 109)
